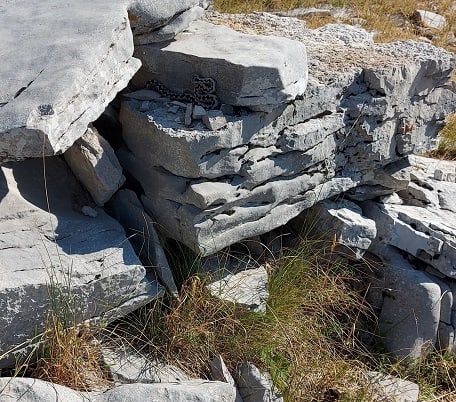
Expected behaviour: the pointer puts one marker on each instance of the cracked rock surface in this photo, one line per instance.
(60, 260)
(365, 108)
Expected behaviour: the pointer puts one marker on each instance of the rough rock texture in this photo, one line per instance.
(85, 263)
(342, 223)
(139, 226)
(95, 164)
(33, 390)
(58, 80)
(128, 366)
(366, 106)
(416, 239)
(392, 389)
(258, 72)
(255, 386)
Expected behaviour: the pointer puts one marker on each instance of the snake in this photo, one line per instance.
(203, 93)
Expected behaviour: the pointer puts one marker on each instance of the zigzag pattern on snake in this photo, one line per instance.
(203, 92)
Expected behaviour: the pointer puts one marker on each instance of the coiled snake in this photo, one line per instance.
(203, 93)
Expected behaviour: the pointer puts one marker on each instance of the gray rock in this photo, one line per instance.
(343, 222)
(199, 112)
(190, 391)
(248, 287)
(219, 372)
(214, 120)
(410, 314)
(430, 19)
(34, 390)
(142, 95)
(274, 73)
(188, 114)
(147, 15)
(48, 247)
(59, 75)
(177, 24)
(139, 226)
(392, 389)
(255, 386)
(129, 366)
(95, 164)
(349, 130)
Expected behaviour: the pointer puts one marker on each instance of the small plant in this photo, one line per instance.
(447, 146)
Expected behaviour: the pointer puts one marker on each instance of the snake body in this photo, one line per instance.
(203, 93)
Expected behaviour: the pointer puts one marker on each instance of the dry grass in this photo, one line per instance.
(378, 16)
(71, 357)
(304, 340)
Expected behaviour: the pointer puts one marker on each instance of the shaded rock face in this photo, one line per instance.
(416, 240)
(80, 267)
(54, 85)
(366, 106)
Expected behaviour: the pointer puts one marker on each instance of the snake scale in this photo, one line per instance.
(203, 93)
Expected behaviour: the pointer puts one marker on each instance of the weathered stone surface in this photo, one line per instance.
(350, 129)
(33, 390)
(60, 74)
(274, 73)
(190, 391)
(129, 366)
(47, 246)
(430, 19)
(139, 226)
(95, 164)
(392, 389)
(410, 315)
(342, 222)
(219, 372)
(248, 287)
(255, 386)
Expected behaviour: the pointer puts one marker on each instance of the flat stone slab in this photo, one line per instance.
(259, 72)
(62, 64)
(49, 247)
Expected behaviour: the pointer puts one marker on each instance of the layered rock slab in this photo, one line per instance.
(365, 108)
(52, 257)
(59, 75)
(258, 72)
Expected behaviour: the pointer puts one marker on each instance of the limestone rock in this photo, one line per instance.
(255, 386)
(139, 226)
(392, 389)
(128, 367)
(430, 19)
(95, 164)
(187, 391)
(248, 287)
(47, 246)
(33, 390)
(410, 315)
(219, 372)
(259, 72)
(343, 222)
(60, 74)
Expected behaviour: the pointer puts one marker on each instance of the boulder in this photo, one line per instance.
(410, 314)
(34, 390)
(341, 222)
(139, 227)
(95, 164)
(429, 19)
(59, 75)
(274, 73)
(54, 258)
(389, 388)
(350, 129)
(255, 386)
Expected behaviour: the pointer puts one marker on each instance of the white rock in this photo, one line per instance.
(87, 261)
(389, 388)
(214, 120)
(60, 74)
(255, 386)
(259, 72)
(95, 164)
(430, 19)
